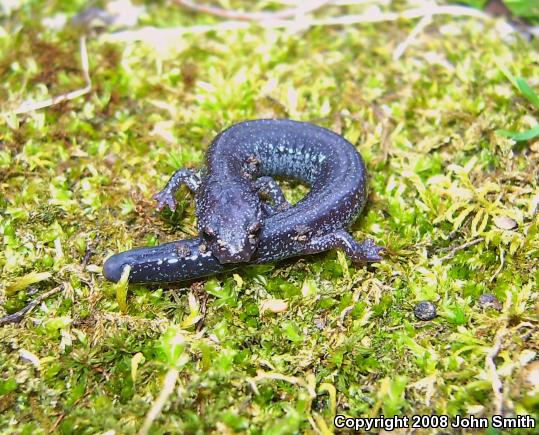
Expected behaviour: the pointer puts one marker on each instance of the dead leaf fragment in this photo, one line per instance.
(273, 305)
(505, 223)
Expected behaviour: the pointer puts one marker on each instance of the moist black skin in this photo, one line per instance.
(237, 226)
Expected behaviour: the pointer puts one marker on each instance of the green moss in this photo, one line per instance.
(76, 181)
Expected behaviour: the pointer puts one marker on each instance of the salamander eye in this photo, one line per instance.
(208, 231)
(254, 228)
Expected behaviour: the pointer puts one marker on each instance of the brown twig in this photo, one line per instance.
(166, 390)
(203, 297)
(87, 255)
(62, 415)
(90, 250)
(497, 385)
(30, 106)
(462, 247)
(253, 16)
(19, 315)
(419, 27)
(419, 12)
(502, 263)
(155, 35)
(57, 422)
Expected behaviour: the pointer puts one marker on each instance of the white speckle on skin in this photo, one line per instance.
(172, 261)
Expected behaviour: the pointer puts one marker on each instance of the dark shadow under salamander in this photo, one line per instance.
(237, 226)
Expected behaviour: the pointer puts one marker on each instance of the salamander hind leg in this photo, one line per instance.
(268, 187)
(189, 177)
(363, 252)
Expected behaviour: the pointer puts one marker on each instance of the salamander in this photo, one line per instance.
(243, 216)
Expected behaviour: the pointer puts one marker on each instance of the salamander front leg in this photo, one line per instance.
(268, 187)
(189, 177)
(363, 252)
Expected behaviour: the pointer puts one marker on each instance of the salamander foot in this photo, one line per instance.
(189, 177)
(165, 197)
(365, 252)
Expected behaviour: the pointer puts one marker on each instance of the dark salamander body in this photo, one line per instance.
(236, 221)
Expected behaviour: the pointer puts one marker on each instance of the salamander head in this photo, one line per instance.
(230, 220)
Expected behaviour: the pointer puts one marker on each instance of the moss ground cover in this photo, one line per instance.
(276, 348)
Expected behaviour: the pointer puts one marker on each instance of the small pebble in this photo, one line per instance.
(489, 300)
(425, 310)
